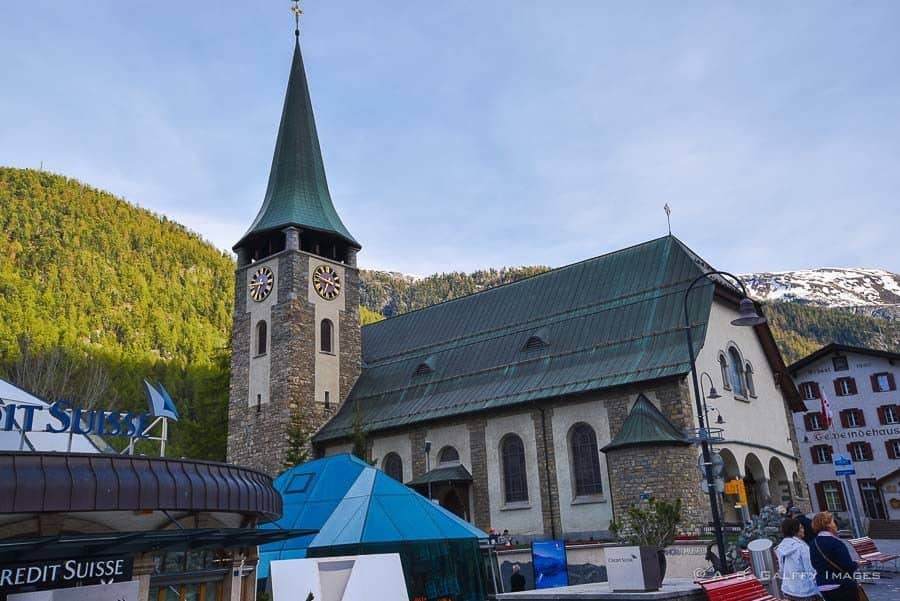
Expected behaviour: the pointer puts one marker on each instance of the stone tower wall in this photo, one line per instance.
(258, 436)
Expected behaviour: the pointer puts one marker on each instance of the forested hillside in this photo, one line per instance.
(96, 294)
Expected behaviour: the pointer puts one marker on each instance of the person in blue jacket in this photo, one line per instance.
(831, 559)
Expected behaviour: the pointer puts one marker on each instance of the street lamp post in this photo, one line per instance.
(747, 317)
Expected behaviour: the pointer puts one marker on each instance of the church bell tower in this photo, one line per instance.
(296, 334)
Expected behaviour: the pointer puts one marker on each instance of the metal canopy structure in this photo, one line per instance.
(124, 543)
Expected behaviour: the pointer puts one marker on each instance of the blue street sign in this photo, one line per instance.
(843, 466)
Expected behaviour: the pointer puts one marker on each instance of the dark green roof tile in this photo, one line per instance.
(609, 321)
(646, 425)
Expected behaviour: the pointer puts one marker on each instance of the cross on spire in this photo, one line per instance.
(297, 12)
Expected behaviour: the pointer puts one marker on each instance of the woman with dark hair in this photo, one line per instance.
(798, 578)
(832, 561)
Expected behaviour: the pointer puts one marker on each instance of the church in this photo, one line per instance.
(545, 407)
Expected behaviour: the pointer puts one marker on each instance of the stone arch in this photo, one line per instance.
(730, 471)
(756, 483)
(779, 484)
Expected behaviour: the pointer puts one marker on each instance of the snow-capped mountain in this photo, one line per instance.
(870, 291)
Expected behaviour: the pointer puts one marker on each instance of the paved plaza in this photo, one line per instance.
(886, 588)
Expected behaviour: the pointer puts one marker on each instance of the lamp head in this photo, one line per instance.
(747, 315)
(713, 394)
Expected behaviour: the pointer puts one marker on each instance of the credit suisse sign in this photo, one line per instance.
(65, 418)
(64, 573)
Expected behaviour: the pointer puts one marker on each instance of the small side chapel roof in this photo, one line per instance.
(646, 425)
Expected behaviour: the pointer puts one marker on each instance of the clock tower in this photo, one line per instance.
(296, 339)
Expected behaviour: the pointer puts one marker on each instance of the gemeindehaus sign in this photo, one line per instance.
(64, 573)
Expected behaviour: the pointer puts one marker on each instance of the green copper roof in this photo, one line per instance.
(646, 425)
(609, 321)
(297, 193)
(450, 473)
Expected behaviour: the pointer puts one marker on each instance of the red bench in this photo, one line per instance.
(866, 549)
(742, 586)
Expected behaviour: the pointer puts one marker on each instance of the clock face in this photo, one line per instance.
(261, 283)
(326, 282)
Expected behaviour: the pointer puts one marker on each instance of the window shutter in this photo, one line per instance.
(820, 496)
(851, 385)
(890, 449)
(845, 421)
(840, 490)
(891, 384)
(815, 456)
(807, 421)
(874, 379)
(837, 387)
(869, 455)
(860, 417)
(816, 392)
(881, 418)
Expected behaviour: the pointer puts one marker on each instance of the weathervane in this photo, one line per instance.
(668, 211)
(297, 12)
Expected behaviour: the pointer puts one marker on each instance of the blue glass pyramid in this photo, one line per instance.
(350, 502)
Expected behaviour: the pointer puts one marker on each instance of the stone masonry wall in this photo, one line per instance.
(546, 460)
(478, 453)
(349, 343)
(666, 472)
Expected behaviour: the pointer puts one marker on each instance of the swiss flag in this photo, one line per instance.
(827, 414)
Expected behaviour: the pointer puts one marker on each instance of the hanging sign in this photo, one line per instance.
(843, 466)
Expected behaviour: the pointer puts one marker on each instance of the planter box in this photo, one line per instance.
(632, 568)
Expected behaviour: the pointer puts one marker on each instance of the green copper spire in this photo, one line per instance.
(297, 194)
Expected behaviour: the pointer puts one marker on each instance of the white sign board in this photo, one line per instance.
(632, 568)
(118, 591)
(351, 578)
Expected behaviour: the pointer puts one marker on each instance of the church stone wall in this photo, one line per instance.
(666, 472)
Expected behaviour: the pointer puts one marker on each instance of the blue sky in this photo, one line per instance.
(468, 134)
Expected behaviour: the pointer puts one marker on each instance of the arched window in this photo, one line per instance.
(736, 372)
(261, 338)
(448, 455)
(748, 377)
(723, 366)
(393, 466)
(585, 461)
(512, 460)
(325, 336)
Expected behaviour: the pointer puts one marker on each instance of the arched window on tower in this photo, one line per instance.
(262, 338)
(512, 459)
(748, 377)
(736, 373)
(393, 466)
(585, 461)
(723, 367)
(326, 335)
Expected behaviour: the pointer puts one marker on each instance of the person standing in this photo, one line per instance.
(808, 532)
(832, 561)
(798, 578)
(517, 580)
